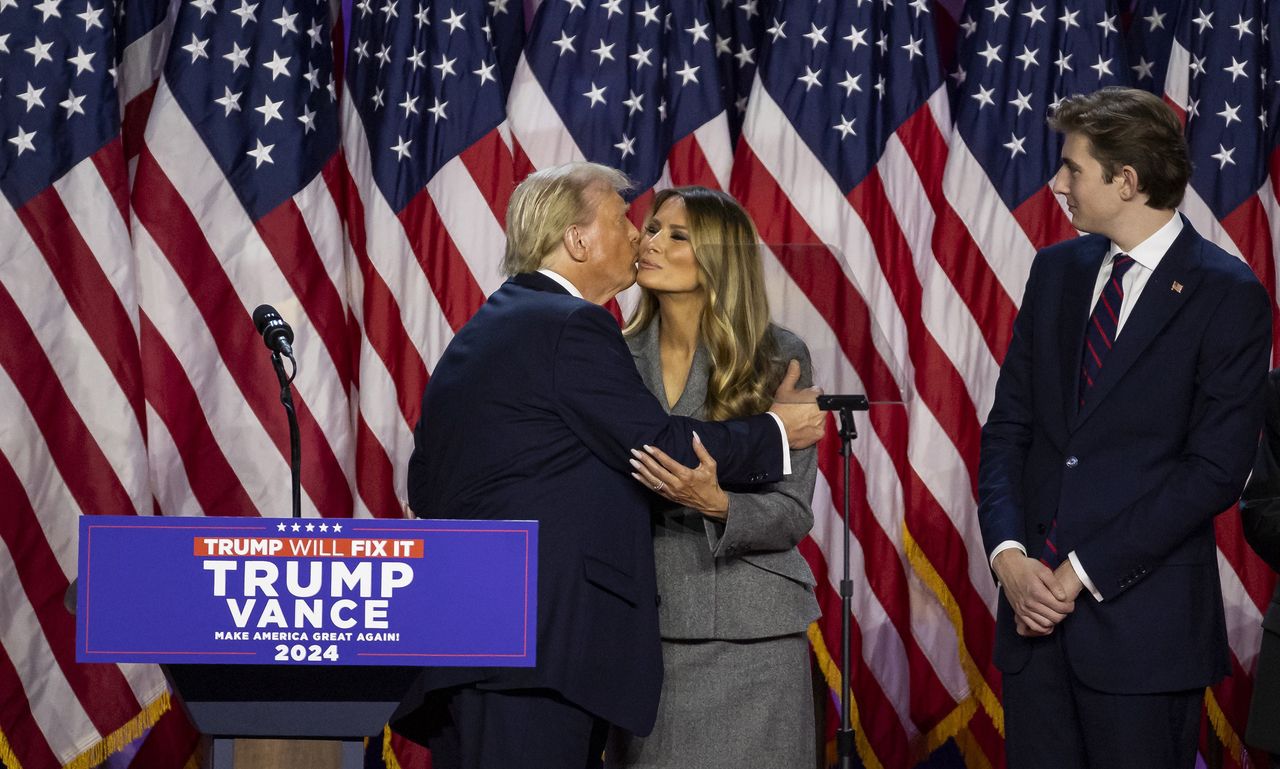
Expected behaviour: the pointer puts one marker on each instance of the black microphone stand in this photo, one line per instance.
(845, 405)
(295, 442)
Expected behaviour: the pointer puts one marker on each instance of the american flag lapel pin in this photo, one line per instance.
(1176, 287)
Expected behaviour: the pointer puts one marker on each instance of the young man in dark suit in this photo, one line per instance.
(532, 413)
(1125, 418)
(1260, 513)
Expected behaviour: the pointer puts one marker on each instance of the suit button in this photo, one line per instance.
(1072, 462)
(1040, 529)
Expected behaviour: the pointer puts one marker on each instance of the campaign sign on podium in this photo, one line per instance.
(284, 591)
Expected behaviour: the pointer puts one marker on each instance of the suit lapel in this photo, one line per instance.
(1077, 295)
(694, 395)
(648, 360)
(1156, 306)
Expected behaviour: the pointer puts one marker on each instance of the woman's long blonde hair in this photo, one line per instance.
(745, 369)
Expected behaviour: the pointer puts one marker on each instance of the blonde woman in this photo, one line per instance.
(736, 596)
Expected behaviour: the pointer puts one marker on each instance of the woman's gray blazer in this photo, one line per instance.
(743, 578)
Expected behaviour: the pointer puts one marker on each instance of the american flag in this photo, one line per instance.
(168, 166)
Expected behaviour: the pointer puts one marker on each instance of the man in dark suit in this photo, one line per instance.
(532, 413)
(1125, 418)
(1260, 510)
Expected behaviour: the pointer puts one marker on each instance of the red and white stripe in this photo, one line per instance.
(859, 278)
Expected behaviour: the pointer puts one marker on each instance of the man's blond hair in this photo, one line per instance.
(546, 204)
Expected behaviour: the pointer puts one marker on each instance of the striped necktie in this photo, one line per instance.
(1099, 336)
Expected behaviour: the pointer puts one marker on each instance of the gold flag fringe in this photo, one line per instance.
(933, 580)
(831, 672)
(7, 756)
(388, 755)
(974, 756)
(132, 730)
(1222, 727)
(950, 726)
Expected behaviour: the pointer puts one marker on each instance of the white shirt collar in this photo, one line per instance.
(1149, 252)
(563, 281)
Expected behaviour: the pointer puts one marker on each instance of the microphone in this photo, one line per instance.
(276, 334)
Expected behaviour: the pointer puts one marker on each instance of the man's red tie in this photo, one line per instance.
(1099, 336)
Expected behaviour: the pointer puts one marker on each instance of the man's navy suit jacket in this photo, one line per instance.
(1163, 443)
(532, 413)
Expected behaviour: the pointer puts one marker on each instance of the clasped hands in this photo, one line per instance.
(1040, 597)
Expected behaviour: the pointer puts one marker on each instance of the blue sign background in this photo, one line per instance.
(145, 595)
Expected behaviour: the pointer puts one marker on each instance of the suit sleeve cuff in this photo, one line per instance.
(786, 450)
(1003, 546)
(1084, 578)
